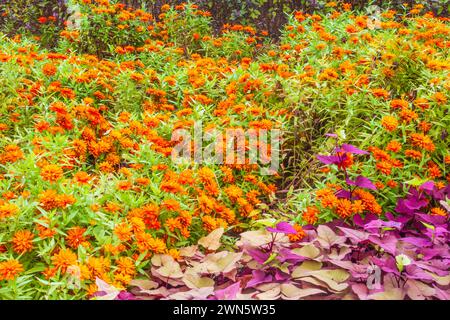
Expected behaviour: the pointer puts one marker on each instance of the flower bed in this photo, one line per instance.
(92, 199)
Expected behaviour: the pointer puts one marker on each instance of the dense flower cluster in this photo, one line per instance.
(89, 192)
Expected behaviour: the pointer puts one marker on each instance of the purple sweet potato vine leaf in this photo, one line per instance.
(403, 257)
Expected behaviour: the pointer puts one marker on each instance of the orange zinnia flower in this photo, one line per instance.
(297, 236)
(380, 93)
(384, 166)
(394, 146)
(390, 123)
(329, 201)
(10, 269)
(143, 181)
(146, 242)
(414, 154)
(408, 115)
(124, 185)
(171, 186)
(344, 208)
(369, 201)
(358, 206)
(209, 223)
(438, 212)
(310, 215)
(208, 178)
(233, 192)
(123, 231)
(23, 241)
(171, 205)
(49, 69)
(399, 104)
(11, 153)
(125, 266)
(392, 184)
(8, 210)
(45, 232)
(421, 103)
(51, 173)
(440, 98)
(75, 237)
(422, 141)
(63, 259)
(82, 177)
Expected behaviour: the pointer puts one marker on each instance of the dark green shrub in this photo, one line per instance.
(40, 18)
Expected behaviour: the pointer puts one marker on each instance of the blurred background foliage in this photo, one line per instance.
(23, 16)
(270, 15)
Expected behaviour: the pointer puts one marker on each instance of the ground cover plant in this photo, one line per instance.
(94, 206)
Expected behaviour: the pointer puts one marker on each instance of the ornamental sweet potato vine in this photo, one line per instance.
(403, 257)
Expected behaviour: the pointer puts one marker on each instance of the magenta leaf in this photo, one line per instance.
(259, 277)
(377, 224)
(343, 194)
(441, 294)
(365, 183)
(418, 242)
(427, 186)
(258, 255)
(388, 243)
(281, 276)
(355, 235)
(288, 255)
(387, 264)
(360, 290)
(352, 149)
(414, 272)
(361, 222)
(430, 253)
(282, 227)
(229, 293)
(123, 295)
(329, 159)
